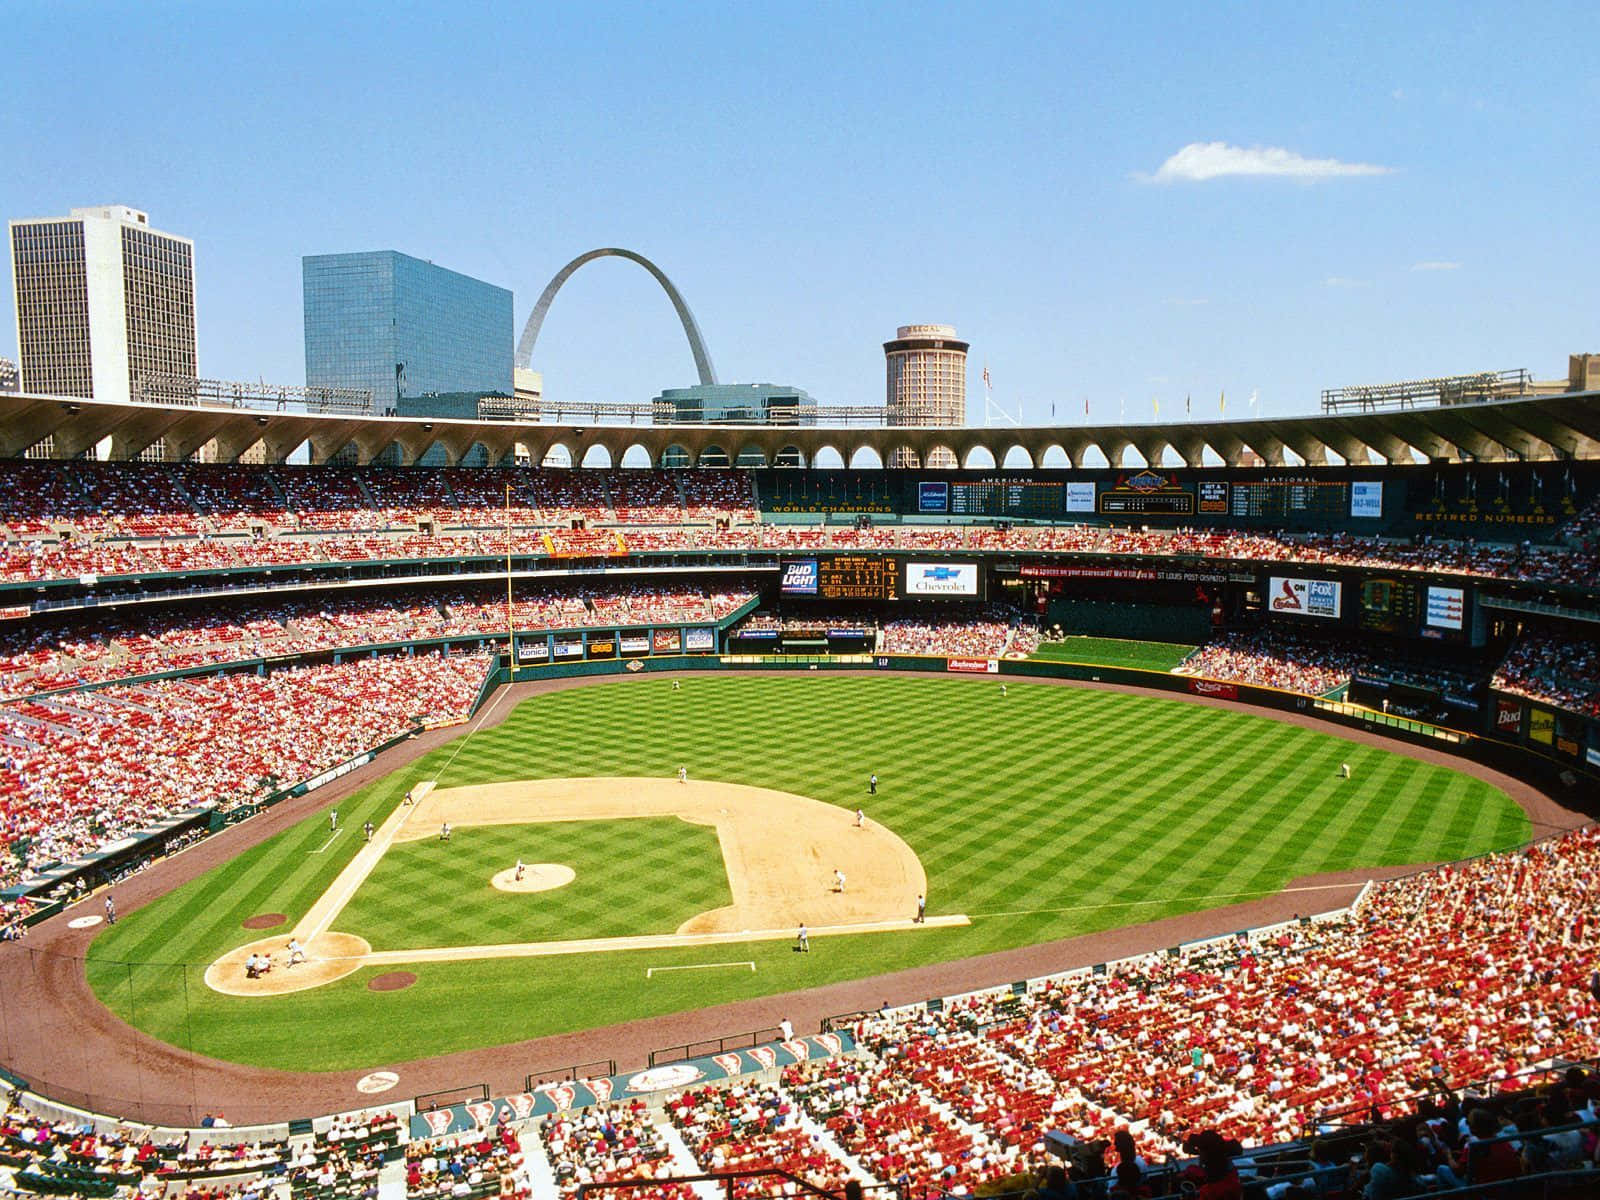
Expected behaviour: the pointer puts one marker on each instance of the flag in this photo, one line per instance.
(1188, 404)
(1222, 402)
(1156, 404)
(1086, 406)
(986, 376)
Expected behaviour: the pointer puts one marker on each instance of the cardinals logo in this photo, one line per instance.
(600, 1087)
(522, 1105)
(831, 1042)
(561, 1095)
(766, 1056)
(439, 1120)
(799, 1049)
(731, 1063)
(481, 1112)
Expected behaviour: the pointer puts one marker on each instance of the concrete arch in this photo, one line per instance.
(597, 457)
(713, 455)
(635, 457)
(979, 458)
(789, 455)
(1017, 458)
(865, 457)
(697, 345)
(828, 457)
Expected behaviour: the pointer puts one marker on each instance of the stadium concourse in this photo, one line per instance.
(185, 644)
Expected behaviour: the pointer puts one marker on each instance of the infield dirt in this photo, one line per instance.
(784, 856)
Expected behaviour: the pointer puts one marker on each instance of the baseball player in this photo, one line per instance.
(803, 940)
(683, 774)
(922, 909)
(297, 952)
(838, 880)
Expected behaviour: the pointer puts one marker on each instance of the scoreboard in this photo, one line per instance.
(858, 577)
(1008, 498)
(1291, 498)
(1389, 605)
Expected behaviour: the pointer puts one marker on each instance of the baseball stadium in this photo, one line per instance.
(783, 811)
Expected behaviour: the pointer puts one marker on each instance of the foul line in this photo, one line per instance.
(1311, 887)
(649, 972)
(483, 716)
(327, 843)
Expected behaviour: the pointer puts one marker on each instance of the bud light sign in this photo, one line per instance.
(800, 577)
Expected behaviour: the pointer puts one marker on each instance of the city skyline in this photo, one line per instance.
(1115, 209)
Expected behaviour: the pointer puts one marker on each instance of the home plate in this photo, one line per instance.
(536, 877)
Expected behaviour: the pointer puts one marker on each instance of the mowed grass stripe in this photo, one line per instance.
(1075, 809)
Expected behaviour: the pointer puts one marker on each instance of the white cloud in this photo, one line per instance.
(1343, 281)
(1436, 266)
(1200, 161)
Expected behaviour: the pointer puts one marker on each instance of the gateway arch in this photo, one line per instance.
(697, 344)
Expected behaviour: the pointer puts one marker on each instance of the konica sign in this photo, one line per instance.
(941, 579)
(800, 577)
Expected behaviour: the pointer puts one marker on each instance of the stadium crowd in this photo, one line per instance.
(80, 771)
(35, 659)
(984, 631)
(1553, 669)
(1279, 658)
(112, 519)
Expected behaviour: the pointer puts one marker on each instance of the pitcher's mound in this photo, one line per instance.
(536, 877)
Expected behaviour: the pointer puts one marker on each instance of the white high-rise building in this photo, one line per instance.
(102, 299)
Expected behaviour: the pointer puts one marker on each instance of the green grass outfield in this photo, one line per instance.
(1115, 652)
(1050, 812)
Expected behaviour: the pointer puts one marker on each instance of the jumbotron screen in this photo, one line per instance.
(857, 577)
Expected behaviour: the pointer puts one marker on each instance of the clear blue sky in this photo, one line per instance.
(812, 175)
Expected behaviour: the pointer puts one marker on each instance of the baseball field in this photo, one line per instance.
(1040, 814)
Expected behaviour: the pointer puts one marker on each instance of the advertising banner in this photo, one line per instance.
(1135, 574)
(799, 577)
(636, 643)
(975, 666)
(1303, 597)
(1507, 717)
(1214, 687)
(1541, 725)
(1445, 605)
(566, 1095)
(699, 641)
(1080, 497)
(533, 650)
(569, 649)
(603, 648)
(1592, 756)
(666, 641)
(933, 497)
(1366, 499)
(14, 612)
(941, 579)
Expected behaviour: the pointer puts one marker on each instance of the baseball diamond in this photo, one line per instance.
(993, 819)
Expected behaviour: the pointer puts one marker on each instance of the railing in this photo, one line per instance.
(445, 1097)
(598, 1069)
(733, 1041)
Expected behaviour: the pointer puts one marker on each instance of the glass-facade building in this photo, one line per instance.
(402, 327)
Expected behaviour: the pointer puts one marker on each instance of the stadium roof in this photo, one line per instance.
(1539, 427)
